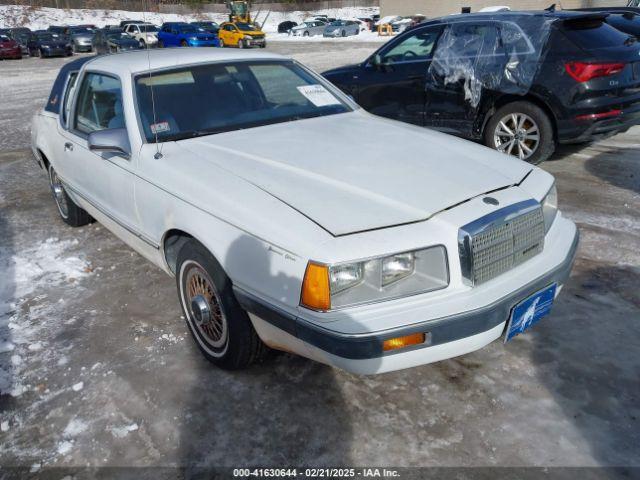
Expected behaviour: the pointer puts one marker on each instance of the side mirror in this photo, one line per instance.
(113, 140)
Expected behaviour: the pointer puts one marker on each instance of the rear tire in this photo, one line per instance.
(70, 213)
(344, 34)
(221, 328)
(521, 127)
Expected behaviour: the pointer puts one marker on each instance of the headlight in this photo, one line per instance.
(550, 207)
(193, 39)
(248, 37)
(327, 287)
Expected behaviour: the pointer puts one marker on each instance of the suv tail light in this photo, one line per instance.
(583, 72)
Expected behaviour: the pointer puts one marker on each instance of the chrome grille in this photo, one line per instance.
(501, 241)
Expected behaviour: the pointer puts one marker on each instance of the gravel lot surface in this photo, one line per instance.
(97, 368)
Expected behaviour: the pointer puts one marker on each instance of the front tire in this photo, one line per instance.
(523, 130)
(70, 213)
(160, 44)
(221, 328)
(241, 44)
(184, 43)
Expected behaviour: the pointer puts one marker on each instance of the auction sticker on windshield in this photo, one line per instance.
(318, 95)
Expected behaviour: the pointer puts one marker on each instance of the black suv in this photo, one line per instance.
(519, 81)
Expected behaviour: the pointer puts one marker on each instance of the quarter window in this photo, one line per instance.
(99, 104)
(68, 95)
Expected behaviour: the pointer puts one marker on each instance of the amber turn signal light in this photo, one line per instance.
(316, 293)
(402, 342)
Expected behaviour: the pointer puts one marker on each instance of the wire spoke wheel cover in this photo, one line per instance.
(202, 304)
(517, 134)
(58, 193)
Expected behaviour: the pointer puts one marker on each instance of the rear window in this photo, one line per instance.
(594, 34)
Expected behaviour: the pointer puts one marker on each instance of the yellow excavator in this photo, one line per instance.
(239, 11)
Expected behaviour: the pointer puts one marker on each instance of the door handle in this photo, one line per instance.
(68, 147)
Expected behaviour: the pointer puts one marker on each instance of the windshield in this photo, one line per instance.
(245, 26)
(46, 36)
(187, 29)
(221, 97)
(148, 28)
(4, 38)
(117, 35)
(80, 30)
(338, 23)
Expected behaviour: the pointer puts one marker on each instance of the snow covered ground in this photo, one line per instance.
(41, 18)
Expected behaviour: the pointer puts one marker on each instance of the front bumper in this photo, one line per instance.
(11, 53)
(255, 42)
(452, 335)
(83, 48)
(203, 43)
(56, 52)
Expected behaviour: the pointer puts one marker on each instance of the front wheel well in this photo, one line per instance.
(173, 241)
(506, 99)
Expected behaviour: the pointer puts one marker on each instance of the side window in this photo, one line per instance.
(418, 46)
(514, 39)
(68, 96)
(99, 104)
(472, 39)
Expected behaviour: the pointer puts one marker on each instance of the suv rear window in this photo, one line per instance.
(594, 34)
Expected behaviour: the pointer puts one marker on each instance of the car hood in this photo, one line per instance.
(354, 172)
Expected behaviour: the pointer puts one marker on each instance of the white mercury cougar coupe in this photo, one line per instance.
(292, 218)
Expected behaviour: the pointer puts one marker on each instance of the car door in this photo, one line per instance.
(468, 60)
(104, 180)
(392, 83)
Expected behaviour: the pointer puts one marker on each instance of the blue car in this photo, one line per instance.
(178, 34)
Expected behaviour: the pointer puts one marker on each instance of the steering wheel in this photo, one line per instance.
(409, 54)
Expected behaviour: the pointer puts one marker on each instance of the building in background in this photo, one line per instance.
(438, 8)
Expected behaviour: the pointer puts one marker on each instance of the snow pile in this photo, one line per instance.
(38, 18)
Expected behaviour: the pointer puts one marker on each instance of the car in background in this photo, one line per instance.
(341, 28)
(44, 43)
(145, 33)
(179, 34)
(124, 23)
(368, 22)
(13, 32)
(241, 35)
(9, 48)
(113, 41)
(309, 29)
(482, 77)
(23, 40)
(209, 27)
(81, 38)
(58, 29)
(385, 248)
(285, 27)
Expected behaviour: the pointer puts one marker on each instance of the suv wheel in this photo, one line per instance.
(221, 328)
(523, 130)
(70, 213)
